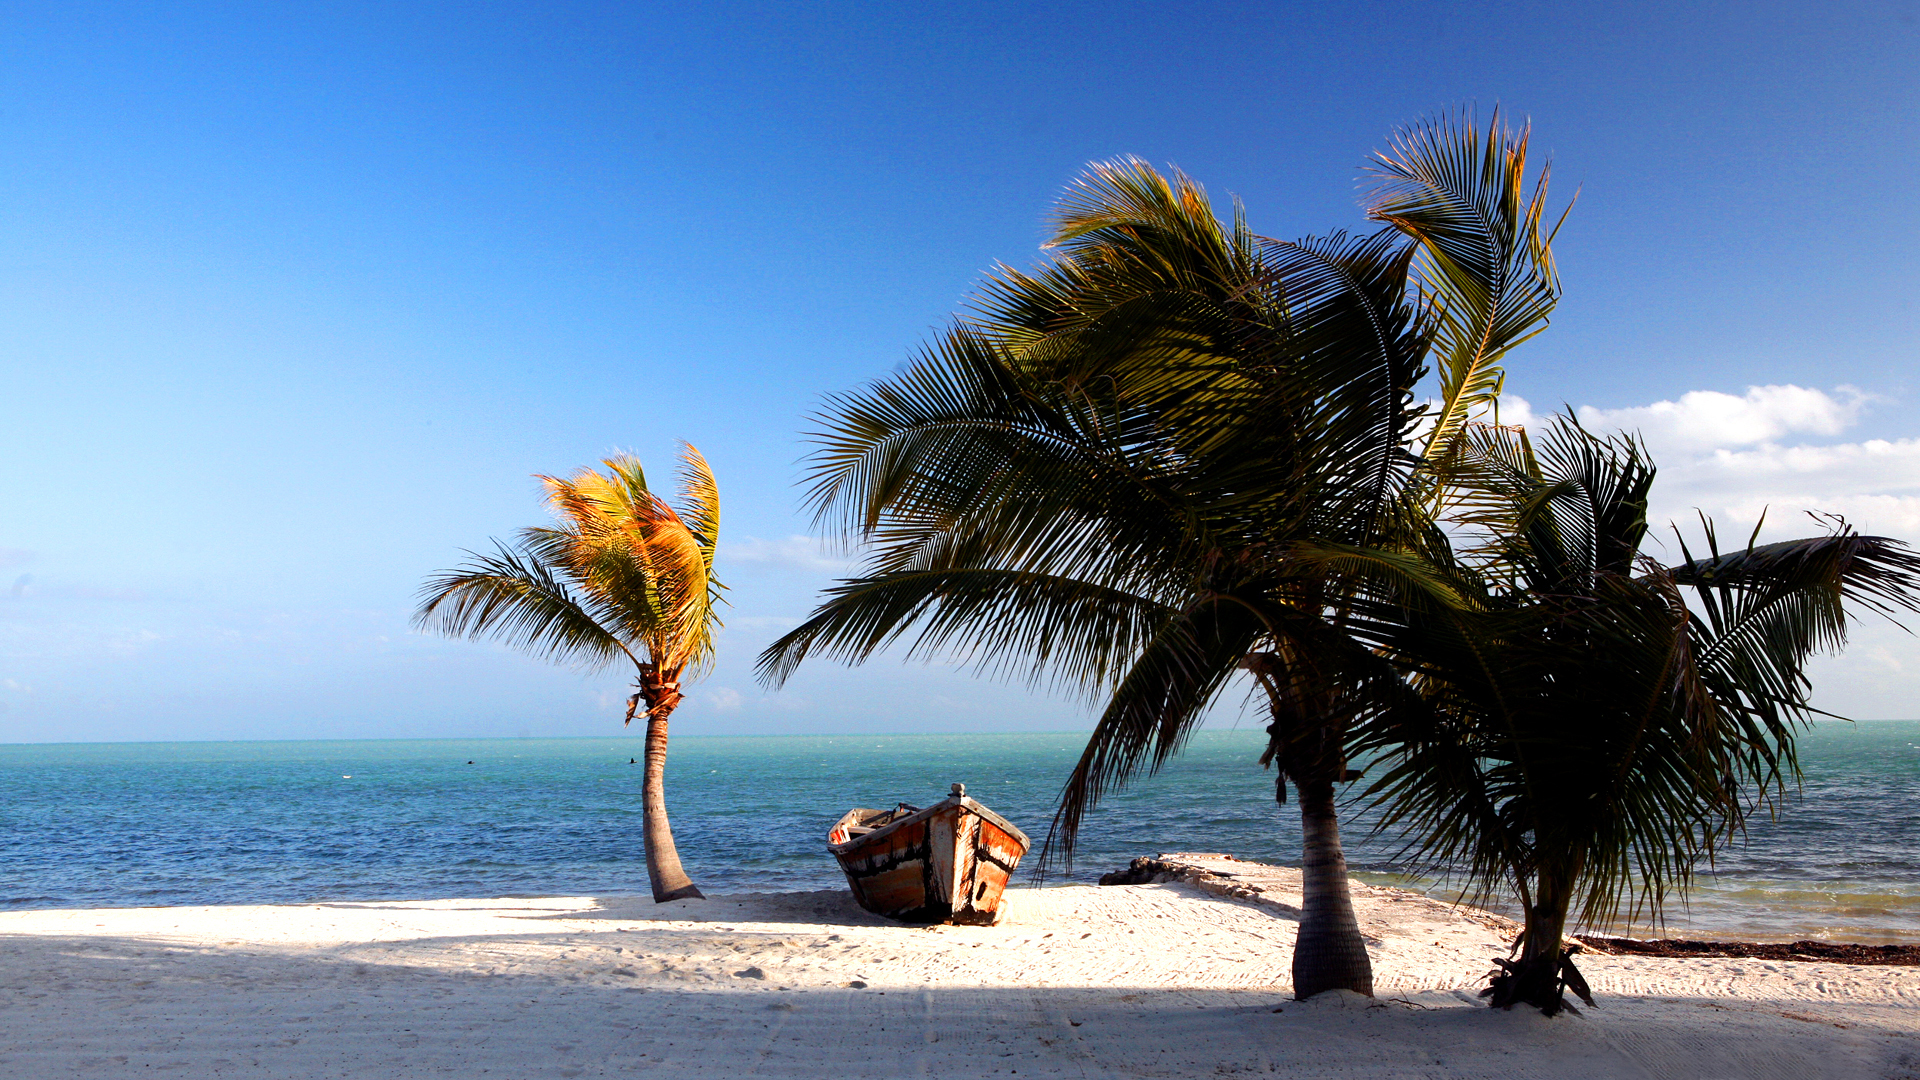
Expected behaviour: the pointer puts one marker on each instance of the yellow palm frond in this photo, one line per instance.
(651, 567)
(699, 499)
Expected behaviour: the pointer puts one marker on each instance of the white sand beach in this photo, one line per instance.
(1169, 979)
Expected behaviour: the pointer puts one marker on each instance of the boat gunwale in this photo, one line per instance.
(964, 802)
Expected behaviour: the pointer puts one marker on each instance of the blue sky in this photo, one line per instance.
(296, 299)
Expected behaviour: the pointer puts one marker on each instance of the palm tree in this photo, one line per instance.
(1175, 454)
(621, 575)
(1590, 724)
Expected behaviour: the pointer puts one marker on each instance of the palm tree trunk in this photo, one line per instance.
(1305, 745)
(1544, 971)
(669, 880)
(1328, 951)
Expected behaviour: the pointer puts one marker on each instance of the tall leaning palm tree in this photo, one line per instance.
(1175, 454)
(621, 575)
(1590, 724)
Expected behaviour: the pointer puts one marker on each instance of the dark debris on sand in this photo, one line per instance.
(1828, 951)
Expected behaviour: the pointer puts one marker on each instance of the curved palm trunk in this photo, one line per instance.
(669, 880)
(1328, 951)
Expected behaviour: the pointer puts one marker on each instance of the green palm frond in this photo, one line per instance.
(964, 458)
(1080, 632)
(519, 598)
(1868, 570)
(1485, 263)
(1351, 353)
(1156, 230)
(1159, 702)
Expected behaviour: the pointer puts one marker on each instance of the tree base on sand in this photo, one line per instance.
(1329, 952)
(1541, 981)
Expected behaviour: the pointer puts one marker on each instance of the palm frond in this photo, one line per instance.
(522, 600)
(1590, 716)
(1080, 632)
(1486, 263)
(1157, 705)
(963, 459)
(699, 508)
(620, 573)
(1875, 571)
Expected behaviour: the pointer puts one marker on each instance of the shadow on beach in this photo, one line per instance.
(88, 1006)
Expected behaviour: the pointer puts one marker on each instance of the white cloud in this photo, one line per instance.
(724, 699)
(1707, 419)
(1729, 457)
(810, 554)
(1874, 484)
(1514, 409)
(1772, 450)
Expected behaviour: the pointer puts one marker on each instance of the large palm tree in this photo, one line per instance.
(1590, 724)
(620, 575)
(1175, 454)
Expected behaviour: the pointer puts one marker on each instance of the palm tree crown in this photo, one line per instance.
(621, 573)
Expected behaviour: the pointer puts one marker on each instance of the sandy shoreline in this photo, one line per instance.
(1170, 979)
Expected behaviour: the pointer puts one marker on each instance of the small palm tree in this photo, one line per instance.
(1590, 724)
(621, 575)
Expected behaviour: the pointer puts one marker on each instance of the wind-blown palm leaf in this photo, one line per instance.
(1156, 706)
(517, 597)
(1365, 346)
(699, 507)
(964, 461)
(1485, 263)
(623, 542)
(1075, 630)
(699, 513)
(1151, 301)
(1871, 570)
(1187, 321)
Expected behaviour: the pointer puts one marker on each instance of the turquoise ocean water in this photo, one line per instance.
(137, 824)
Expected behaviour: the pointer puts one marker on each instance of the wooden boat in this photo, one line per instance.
(947, 863)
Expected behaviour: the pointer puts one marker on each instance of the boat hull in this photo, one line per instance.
(947, 863)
